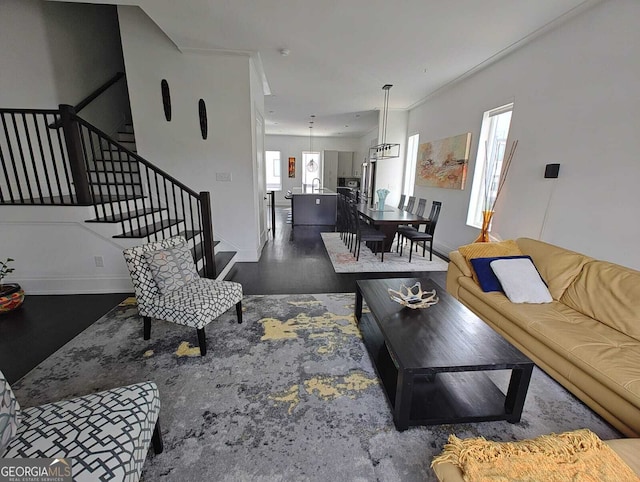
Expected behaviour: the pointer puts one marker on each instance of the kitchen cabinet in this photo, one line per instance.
(345, 164)
(330, 163)
(348, 166)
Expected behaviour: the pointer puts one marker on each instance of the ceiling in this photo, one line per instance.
(341, 52)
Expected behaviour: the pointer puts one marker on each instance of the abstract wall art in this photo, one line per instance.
(292, 167)
(443, 163)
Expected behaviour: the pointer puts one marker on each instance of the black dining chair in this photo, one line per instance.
(410, 204)
(365, 232)
(402, 199)
(422, 205)
(417, 236)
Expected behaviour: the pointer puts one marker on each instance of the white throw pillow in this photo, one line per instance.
(521, 281)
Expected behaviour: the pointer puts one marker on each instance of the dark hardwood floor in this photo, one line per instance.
(293, 262)
(43, 324)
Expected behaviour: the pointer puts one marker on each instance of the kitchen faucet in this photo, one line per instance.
(313, 183)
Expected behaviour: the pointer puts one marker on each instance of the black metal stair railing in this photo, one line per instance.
(35, 165)
(78, 164)
(143, 199)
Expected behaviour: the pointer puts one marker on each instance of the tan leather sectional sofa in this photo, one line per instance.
(588, 338)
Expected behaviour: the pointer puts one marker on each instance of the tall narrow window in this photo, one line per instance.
(273, 174)
(486, 175)
(410, 165)
(311, 169)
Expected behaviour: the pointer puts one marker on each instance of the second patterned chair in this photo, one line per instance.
(168, 287)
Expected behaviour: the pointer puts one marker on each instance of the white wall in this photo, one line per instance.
(55, 250)
(292, 146)
(58, 53)
(576, 103)
(54, 53)
(223, 81)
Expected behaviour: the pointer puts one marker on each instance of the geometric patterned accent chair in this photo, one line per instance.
(107, 434)
(168, 287)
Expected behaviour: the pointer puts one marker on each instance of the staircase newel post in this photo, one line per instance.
(207, 233)
(74, 151)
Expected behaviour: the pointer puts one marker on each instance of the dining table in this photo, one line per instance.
(388, 219)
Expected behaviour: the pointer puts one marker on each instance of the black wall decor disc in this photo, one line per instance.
(202, 113)
(166, 99)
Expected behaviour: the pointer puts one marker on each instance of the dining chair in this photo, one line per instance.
(410, 204)
(422, 204)
(365, 232)
(417, 236)
(402, 199)
(342, 218)
(168, 287)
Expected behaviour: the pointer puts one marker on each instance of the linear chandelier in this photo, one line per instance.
(384, 150)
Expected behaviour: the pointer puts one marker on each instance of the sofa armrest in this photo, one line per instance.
(461, 263)
(458, 267)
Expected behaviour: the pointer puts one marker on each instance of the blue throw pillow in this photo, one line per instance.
(486, 277)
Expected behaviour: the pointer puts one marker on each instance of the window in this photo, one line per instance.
(311, 168)
(272, 165)
(410, 166)
(488, 169)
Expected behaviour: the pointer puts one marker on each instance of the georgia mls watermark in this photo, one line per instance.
(35, 470)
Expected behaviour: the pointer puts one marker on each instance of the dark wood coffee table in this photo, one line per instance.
(431, 361)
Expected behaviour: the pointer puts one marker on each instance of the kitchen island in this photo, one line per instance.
(312, 207)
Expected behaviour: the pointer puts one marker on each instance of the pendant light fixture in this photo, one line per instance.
(312, 166)
(384, 150)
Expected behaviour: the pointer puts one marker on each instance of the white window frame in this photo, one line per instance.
(410, 165)
(491, 148)
(308, 177)
(273, 168)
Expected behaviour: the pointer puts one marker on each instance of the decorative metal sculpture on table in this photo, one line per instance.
(382, 197)
(414, 297)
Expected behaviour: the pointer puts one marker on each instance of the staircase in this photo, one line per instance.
(71, 162)
(115, 178)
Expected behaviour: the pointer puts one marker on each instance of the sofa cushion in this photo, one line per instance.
(486, 277)
(557, 266)
(143, 282)
(196, 304)
(106, 434)
(486, 250)
(520, 280)
(608, 293)
(9, 414)
(172, 268)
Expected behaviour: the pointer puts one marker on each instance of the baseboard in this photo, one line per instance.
(76, 285)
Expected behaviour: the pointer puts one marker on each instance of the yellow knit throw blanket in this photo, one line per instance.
(569, 456)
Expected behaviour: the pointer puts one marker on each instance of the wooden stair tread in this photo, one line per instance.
(223, 258)
(124, 216)
(145, 231)
(100, 199)
(198, 250)
(189, 234)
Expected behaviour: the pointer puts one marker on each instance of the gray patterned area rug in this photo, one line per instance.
(290, 394)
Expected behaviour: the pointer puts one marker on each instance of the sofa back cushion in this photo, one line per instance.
(609, 293)
(557, 266)
(9, 414)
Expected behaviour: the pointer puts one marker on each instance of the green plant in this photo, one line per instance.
(4, 268)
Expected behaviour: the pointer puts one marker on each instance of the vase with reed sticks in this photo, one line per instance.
(483, 237)
(489, 201)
